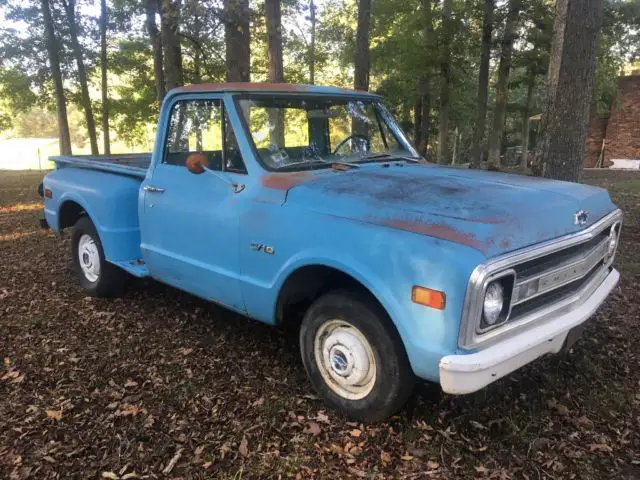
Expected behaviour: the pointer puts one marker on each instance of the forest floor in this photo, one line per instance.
(159, 384)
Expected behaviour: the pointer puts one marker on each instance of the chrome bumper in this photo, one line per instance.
(461, 374)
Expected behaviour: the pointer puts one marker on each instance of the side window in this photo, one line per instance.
(200, 126)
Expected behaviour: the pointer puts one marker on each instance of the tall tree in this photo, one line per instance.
(64, 137)
(236, 38)
(423, 106)
(362, 62)
(276, 70)
(312, 43)
(526, 112)
(170, 34)
(561, 149)
(274, 40)
(85, 99)
(151, 9)
(483, 84)
(103, 77)
(445, 82)
(502, 86)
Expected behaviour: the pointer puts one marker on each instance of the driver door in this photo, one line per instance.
(189, 222)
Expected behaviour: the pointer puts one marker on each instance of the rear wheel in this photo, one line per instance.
(98, 278)
(354, 357)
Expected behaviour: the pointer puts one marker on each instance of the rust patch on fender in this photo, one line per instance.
(284, 181)
(441, 231)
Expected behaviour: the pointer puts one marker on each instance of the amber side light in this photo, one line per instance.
(428, 297)
(48, 193)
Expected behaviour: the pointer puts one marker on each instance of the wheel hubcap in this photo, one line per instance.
(345, 359)
(89, 258)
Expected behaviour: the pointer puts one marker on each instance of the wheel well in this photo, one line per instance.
(307, 284)
(70, 212)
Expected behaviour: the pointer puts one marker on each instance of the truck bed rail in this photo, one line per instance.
(133, 164)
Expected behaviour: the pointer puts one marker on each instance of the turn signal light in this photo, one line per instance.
(428, 297)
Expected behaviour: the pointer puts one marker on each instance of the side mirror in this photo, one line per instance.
(196, 163)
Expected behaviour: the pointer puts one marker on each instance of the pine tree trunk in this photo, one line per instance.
(445, 87)
(483, 85)
(361, 72)
(502, 86)
(70, 10)
(64, 138)
(424, 82)
(169, 33)
(276, 69)
(151, 9)
(563, 140)
(103, 74)
(312, 43)
(417, 123)
(525, 121)
(236, 37)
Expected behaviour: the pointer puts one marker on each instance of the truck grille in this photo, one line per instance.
(548, 279)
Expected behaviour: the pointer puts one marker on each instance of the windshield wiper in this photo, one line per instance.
(376, 156)
(320, 160)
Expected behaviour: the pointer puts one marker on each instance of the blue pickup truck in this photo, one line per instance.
(308, 204)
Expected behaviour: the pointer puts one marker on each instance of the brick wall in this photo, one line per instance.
(623, 129)
(595, 134)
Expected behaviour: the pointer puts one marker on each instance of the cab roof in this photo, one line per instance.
(255, 87)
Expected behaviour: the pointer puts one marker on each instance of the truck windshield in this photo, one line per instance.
(297, 133)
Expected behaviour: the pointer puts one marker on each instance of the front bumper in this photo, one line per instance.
(461, 374)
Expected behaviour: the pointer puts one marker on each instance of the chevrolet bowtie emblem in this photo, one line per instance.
(581, 217)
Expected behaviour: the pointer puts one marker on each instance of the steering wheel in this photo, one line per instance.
(352, 136)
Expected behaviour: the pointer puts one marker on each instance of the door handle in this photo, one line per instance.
(150, 188)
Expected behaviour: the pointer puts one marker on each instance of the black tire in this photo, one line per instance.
(394, 379)
(111, 280)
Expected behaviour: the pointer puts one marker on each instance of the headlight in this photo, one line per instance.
(493, 303)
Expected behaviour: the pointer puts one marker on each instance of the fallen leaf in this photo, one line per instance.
(128, 410)
(600, 447)
(406, 458)
(206, 465)
(243, 449)
(355, 432)
(109, 475)
(130, 383)
(385, 457)
(432, 465)
(313, 428)
(185, 351)
(477, 425)
(55, 414)
(258, 402)
(149, 421)
(322, 417)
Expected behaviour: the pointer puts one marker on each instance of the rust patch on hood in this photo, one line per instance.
(284, 181)
(441, 231)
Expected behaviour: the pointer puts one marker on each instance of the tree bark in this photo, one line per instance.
(445, 74)
(151, 9)
(525, 121)
(361, 72)
(561, 150)
(236, 37)
(170, 35)
(483, 85)
(502, 86)
(70, 10)
(64, 138)
(424, 82)
(276, 69)
(103, 75)
(417, 123)
(312, 43)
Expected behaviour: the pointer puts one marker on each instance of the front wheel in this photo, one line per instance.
(354, 357)
(98, 278)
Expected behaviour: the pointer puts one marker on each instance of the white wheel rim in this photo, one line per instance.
(89, 258)
(345, 359)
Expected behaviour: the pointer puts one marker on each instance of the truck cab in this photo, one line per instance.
(308, 204)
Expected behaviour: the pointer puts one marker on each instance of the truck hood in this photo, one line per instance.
(493, 213)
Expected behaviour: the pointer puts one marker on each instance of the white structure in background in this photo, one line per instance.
(624, 164)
